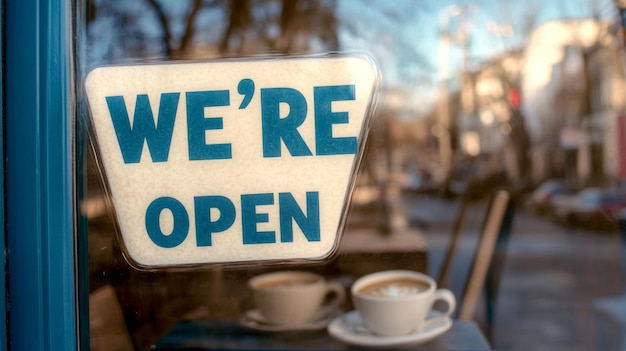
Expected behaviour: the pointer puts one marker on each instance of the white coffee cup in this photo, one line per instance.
(295, 297)
(397, 302)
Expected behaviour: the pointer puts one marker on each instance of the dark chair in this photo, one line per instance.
(486, 265)
(457, 230)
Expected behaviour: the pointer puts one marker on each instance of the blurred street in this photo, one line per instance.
(471, 99)
(562, 288)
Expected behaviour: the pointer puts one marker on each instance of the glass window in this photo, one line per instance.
(476, 97)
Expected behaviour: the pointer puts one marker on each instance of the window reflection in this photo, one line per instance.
(478, 96)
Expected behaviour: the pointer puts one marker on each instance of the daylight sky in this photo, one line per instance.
(413, 27)
(405, 35)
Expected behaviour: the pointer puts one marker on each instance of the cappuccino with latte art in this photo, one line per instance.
(398, 302)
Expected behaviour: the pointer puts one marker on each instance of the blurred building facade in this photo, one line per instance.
(490, 102)
(571, 127)
(577, 136)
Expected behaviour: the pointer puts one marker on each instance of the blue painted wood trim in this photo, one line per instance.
(39, 175)
(3, 286)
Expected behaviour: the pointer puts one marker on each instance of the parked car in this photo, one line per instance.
(421, 181)
(591, 208)
(472, 179)
(541, 199)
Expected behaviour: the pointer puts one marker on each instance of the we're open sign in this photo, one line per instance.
(231, 161)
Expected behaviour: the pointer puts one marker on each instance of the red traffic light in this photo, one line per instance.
(515, 98)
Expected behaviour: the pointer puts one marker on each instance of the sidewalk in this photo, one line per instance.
(562, 292)
(562, 289)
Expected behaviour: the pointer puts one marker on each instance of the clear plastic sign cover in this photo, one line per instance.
(231, 161)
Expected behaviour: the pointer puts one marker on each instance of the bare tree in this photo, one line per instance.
(171, 49)
(246, 26)
(299, 22)
(239, 22)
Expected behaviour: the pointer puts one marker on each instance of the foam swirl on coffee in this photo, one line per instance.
(394, 288)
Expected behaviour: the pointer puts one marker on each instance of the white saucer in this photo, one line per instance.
(349, 328)
(254, 320)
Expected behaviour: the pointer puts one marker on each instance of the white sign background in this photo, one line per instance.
(133, 186)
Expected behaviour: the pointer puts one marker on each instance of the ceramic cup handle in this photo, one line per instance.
(337, 295)
(446, 296)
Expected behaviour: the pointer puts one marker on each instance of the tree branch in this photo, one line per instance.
(167, 36)
(190, 30)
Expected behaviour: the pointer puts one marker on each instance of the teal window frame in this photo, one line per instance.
(40, 178)
(3, 285)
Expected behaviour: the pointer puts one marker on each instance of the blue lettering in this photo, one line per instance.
(250, 218)
(290, 211)
(198, 124)
(325, 118)
(205, 227)
(275, 128)
(153, 222)
(131, 138)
